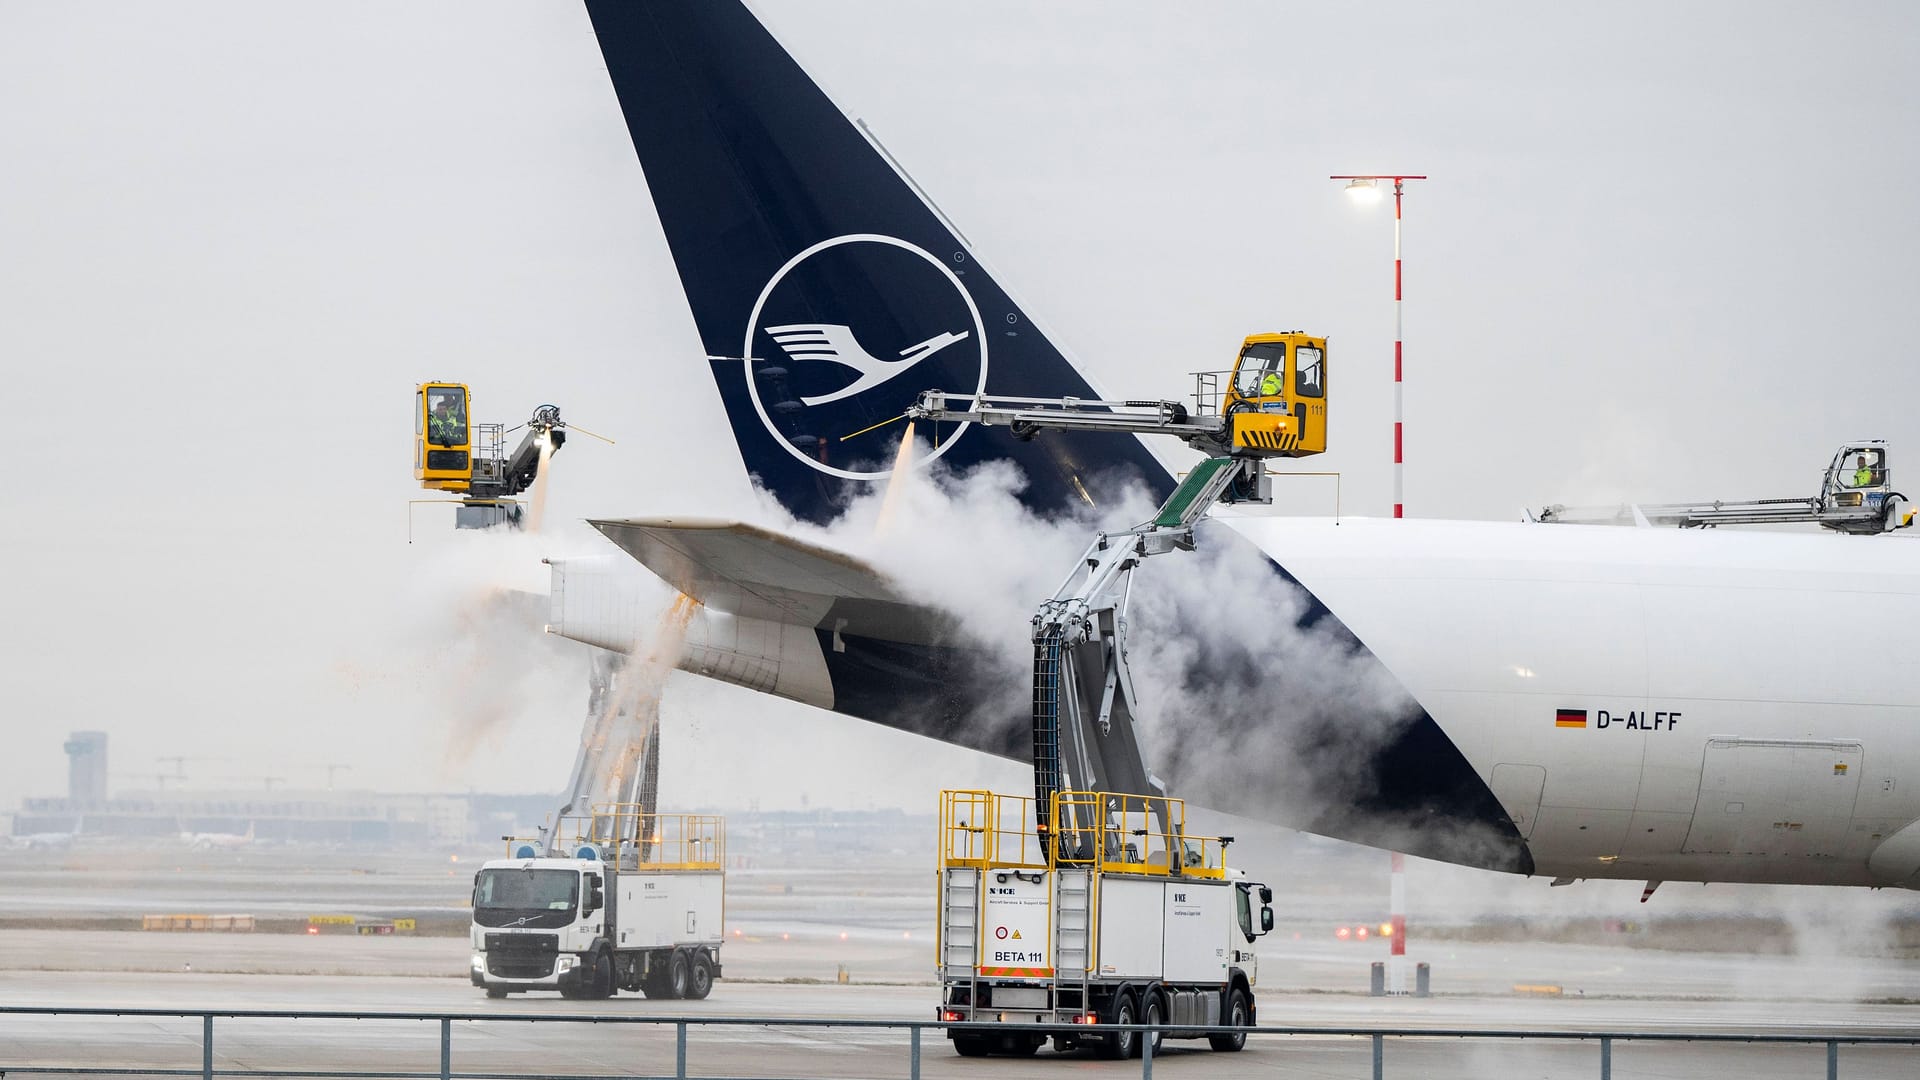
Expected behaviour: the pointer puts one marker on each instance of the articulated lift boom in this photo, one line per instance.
(1856, 496)
(1274, 405)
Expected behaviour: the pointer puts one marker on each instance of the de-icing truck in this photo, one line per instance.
(635, 902)
(1114, 917)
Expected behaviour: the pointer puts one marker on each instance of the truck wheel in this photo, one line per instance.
(1236, 1018)
(1153, 1012)
(972, 1045)
(677, 975)
(495, 992)
(1120, 1043)
(602, 986)
(699, 976)
(655, 984)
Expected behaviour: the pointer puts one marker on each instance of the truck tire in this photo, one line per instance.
(1153, 1010)
(699, 976)
(655, 984)
(1236, 1017)
(972, 1045)
(495, 992)
(602, 985)
(677, 974)
(1120, 1044)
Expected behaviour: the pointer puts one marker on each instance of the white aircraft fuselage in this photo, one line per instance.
(1651, 703)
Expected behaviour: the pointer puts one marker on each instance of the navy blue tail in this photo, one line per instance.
(827, 293)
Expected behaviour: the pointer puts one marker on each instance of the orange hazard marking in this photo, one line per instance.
(1018, 972)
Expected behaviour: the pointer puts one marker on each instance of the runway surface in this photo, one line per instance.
(793, 929)
(405, 985)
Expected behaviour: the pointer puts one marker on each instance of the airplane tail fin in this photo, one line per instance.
(781, 215)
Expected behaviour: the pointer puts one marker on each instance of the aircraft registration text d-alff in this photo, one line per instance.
(1587, 701)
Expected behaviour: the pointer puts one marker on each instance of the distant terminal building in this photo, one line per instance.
(319, 817)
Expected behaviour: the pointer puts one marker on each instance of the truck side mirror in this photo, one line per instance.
(595, 900)
(1266, 918)
(1266, 894)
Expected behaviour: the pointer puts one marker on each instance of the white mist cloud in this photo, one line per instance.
(1240, 708)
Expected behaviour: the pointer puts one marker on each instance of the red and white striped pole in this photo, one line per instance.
(1365, 187)
(1397, 911)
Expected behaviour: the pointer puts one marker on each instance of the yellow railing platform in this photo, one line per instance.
(630, 837)
(1104, 831)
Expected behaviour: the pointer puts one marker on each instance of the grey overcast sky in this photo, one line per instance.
(1661, 255)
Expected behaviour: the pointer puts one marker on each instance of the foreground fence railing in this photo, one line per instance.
(1604, 1041)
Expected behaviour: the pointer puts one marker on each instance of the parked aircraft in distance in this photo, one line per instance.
(212, 841)
(49, 841)
(1565, 700)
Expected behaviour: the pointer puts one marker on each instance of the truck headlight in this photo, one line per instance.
(479, 962)
(567, 963)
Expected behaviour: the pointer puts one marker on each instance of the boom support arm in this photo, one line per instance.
(1025, 416)
(1083, 698)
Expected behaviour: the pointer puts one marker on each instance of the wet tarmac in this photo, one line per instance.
(795, 930)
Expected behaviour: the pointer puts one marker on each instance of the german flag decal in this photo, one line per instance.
(1570, 718)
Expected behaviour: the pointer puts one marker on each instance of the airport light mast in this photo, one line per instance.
(1365, 190)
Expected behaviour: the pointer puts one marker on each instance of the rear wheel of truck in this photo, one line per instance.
(1236, 1018)
(972, 1045)
(1153, 1010)
(496, 992)
(699, 976)
(678, 974)
(655, 984)
(1120, 1043)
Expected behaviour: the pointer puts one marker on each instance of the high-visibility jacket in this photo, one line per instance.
(446, 430)
(1862, 477)
(1270, 384)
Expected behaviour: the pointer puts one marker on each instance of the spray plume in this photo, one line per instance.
(537, 514)
(1248, 702)
(616, 736)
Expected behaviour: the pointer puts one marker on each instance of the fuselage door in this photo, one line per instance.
(1775, 797)
(1518, 788)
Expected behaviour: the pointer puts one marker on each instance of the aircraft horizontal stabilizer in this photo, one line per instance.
(754, 573)
(781, 616)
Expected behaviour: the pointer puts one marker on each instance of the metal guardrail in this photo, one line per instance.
(1378, 1037)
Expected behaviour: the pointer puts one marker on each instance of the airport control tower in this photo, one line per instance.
(87, 767)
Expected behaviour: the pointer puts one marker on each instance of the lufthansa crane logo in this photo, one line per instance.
(833, 338)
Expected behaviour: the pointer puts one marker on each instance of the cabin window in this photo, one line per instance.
(447, 416)
(1258, 361)
(1309, 378)
(1867, 469)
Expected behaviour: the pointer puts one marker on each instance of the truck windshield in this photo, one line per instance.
(1257, 361)
(525, 897)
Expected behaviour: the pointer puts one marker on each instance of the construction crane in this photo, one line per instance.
(452, 453)
(1856, 496)
(1273, 405)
